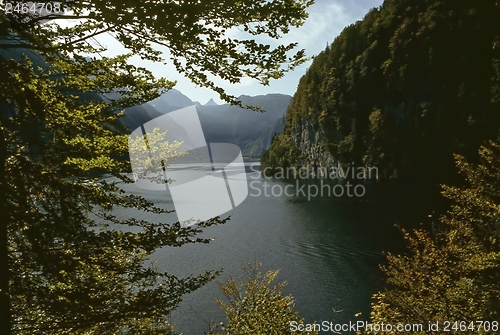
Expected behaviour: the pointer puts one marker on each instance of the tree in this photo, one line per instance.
(452, 274)
(283, 153)
(259, 309)
(70, 269)
(67, 265)
(193, 32)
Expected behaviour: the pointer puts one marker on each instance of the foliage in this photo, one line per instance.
(69, 270)
(282, 153)
(152, 151)
(70, 264)
(452, 274)
(260, 309)
(431, 69)
(194, 33)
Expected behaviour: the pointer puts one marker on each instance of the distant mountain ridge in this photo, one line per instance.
(251, 131)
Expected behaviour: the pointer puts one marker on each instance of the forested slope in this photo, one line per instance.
(403, 89)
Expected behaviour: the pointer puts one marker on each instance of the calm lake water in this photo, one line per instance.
(328, 248)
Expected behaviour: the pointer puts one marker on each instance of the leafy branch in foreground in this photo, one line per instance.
(72, 265)
(453, 275)
(197, 35)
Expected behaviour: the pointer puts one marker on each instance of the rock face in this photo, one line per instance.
(310, 141)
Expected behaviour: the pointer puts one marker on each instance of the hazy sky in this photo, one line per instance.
(326, 20)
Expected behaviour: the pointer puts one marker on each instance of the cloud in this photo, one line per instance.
(326, 20)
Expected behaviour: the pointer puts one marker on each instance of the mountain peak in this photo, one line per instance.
(171, 100)
(211, 102)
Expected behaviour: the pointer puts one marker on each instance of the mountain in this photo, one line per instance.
(403, 90)
(263, 142)
(243, 127)
(170, 101)
(251, 131)
(211, 102)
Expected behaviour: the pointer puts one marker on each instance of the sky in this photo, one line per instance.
(326, 20)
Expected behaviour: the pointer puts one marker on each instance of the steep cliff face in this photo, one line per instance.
(311, 142)
(404, 89)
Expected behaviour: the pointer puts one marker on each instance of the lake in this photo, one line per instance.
(328, 248)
